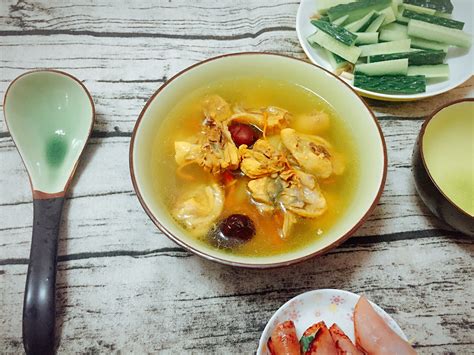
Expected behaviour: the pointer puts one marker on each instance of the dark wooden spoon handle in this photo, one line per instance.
(39, 309)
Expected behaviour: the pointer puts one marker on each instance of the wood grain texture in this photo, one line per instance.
(122, 285)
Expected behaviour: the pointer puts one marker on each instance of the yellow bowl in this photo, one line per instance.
(348, 105)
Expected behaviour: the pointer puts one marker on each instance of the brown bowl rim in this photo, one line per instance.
(422, 154)
(207, 256)
(37, 194)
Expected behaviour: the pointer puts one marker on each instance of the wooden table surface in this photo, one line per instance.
(122, 285)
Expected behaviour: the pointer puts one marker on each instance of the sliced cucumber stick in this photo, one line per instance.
(389, 67)
(337, 32)
(385, 48)
(388, 36)
(390, 84)
(324, 5)
(375, 25)
(349, 53)
(430, 57)
(366, 37)
(363, 22)
(335, 61)
(340, 20)
(389, 15)
(357, 10)
(446, 22)
(430, 71)
(438, 5)
(438, 33)
(419, 9)
(425, 44)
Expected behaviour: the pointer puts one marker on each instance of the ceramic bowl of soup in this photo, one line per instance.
(257, 160)
(443, 164)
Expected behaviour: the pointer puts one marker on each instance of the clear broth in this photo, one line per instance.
(185, 121)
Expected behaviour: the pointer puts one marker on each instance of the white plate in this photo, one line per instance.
(460, 60)
(331, 306)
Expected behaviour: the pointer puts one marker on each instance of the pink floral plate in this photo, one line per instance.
(331, 306)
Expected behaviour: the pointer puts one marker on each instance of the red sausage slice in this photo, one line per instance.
(344, 345)
(283, 340)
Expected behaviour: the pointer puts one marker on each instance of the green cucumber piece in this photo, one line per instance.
(393, 32)
(419, 9)
(389, 15)
(439, 33)
(391, 84)
(425, 44)
(375, 25)
(340, 20)
(362, 24)
(324, 5)
(389, 67)
(438, 5)
(389, 36)
(446, 22)
(414, 58)
(336, 32)
(372, 19)
(395, 27)
(335, 61)
(430, 71)
(366, 37)
(357, 10)
(385, 48)
(349, 53)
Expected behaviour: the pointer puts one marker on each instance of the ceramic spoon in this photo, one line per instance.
(49, 115)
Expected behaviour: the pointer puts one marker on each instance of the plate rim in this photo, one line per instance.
(261, 341)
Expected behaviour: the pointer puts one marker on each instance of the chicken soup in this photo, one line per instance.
(254, 166)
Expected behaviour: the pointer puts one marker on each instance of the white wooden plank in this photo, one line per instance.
(224, 19)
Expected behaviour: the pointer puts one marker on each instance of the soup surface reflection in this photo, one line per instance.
(254, 166)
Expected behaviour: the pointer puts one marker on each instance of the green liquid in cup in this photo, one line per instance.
(448, 147)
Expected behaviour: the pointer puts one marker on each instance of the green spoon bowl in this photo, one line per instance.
(50, 115)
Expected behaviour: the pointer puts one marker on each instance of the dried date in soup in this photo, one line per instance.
(232, 231)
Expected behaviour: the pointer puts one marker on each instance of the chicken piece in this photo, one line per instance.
(197, 209)
(301, 194)
(264, 192)
(313, 158)
(271, 118)
(215, 150)
(219, 152)
(344, 345)
(283, 340)
(215, 107)
(316, 122)
(276, 117)
(186, 152)
(261, 160)
(374, 335)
